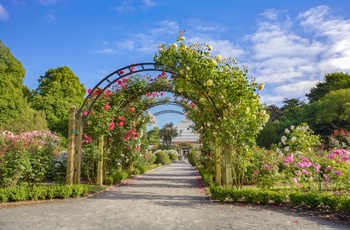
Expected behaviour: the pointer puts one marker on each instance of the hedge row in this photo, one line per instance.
(311, 200)
(22, 193)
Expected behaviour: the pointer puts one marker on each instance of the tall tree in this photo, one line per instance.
(153, 136)
(58, 90)
(167, 133)
(12, 101)
(331, 82)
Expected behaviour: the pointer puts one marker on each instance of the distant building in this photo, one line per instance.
(185, 135)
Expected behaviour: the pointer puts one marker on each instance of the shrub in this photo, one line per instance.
(235, 194)
(312, 200)
(63, 191)
(296, 198)
(36, 193)
(219, 193)
(162, 158)
(330, 200)
(119, 176)
(173, 156)
(345, 205)
(193, 158)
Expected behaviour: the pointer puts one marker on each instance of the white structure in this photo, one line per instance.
(186, 134)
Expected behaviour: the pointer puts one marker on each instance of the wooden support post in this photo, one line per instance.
(227, 151)
(78, 151)
(71, 147)
(218, 176)
(99, 179)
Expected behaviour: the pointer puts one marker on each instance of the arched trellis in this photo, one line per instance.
(76, 117)
(168, 111)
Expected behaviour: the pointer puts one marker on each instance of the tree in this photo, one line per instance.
(333, 110)
(167, 133)
(59, 89)
(153, 136)
(13, 104)
(332, 81)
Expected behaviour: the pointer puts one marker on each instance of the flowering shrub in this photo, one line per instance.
(26, 158)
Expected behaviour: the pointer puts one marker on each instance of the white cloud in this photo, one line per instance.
(291, 55)
(126, 6)
(4, 15)
(295, 90)
(149, 3)
(141, 42)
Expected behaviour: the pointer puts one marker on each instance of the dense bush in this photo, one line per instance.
(27, 158)
(192, 158)
(162, 158)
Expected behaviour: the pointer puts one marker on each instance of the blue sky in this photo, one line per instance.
(288, 45)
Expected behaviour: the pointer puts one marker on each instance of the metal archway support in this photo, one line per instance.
(168, 111)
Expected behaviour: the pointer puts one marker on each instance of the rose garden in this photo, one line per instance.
(107, 139)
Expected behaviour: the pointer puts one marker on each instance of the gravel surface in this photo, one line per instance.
(169, 197)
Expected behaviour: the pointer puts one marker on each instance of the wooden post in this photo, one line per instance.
(218, 176)
(78, 151)
(227, 151)
(99, 179)
(71, 147)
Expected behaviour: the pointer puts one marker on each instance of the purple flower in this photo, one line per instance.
(295, 180)
(340, 152)
(328, 168)
(317, 167)
(325, 176)
(338, 173)
(289, 158)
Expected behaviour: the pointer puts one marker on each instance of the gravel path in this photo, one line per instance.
(169, 197)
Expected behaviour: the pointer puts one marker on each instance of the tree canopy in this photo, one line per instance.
(12, 101)
(58, 90)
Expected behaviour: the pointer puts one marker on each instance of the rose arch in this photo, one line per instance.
(215, 94)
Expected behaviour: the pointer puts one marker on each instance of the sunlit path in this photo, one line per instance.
(170, 197)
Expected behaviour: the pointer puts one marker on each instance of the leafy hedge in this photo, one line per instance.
(22, 193)
(311, 200)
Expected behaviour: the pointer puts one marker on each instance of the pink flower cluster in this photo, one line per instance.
(341, 154)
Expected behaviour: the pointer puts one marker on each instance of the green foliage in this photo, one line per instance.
(22, 193)
(193, 158)
(167, 133)
(331, 82)
(26, 158)
(58, 90)
(153, 136)
(13, 104)
(345, 205)
(296, 198)
(162, 158)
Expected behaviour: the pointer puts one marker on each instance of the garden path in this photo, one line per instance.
(169, 197)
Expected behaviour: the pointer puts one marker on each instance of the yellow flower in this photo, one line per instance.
(261, 86)
(188, 68)
(209, 82)
(173, 45)
(218, 57)
(209, 47)
(180, 90)
(247, 110)
(214, 62)
(181, 38)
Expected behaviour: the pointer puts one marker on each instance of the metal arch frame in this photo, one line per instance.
(168, 111)
(121, 73)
